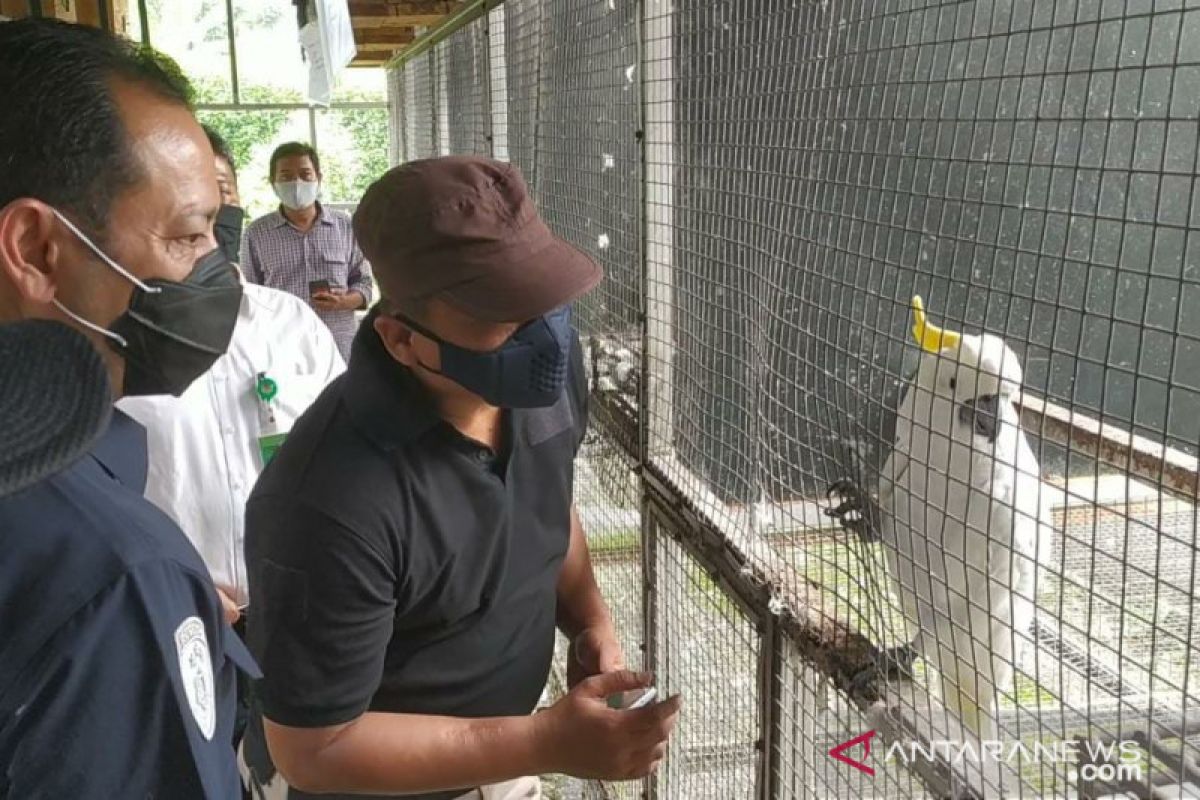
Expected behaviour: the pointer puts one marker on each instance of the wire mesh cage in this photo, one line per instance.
(699, 625)
(522, 65)
(588, 155)
(883, 551)
(467, 91)
(420, 112)
(608, 500)
(396, 105)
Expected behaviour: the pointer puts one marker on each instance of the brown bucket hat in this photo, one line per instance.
(464, 229)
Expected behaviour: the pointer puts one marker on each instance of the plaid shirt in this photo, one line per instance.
(276, 254)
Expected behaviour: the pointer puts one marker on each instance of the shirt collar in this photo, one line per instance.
(121, 451)
(385, 400)
(323, 218)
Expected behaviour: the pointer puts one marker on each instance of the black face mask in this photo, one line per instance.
(227, 228)
(172, 331)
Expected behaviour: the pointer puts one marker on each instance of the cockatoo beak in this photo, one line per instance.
(983, 415)
(931, 338)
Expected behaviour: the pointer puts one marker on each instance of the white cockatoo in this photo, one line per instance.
(958, 507)
(961, 519)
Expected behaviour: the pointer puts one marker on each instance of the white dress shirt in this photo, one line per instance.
(204, 446)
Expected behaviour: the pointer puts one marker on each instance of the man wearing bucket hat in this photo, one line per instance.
(414, 544)
(117, 671)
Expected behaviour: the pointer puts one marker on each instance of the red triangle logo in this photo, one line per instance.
(839, 752)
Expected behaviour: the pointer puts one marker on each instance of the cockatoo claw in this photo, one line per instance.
(851, 512)
(894, 663)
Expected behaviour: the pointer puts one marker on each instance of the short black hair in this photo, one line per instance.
(289, 149)
(220, 147)
(62, 140)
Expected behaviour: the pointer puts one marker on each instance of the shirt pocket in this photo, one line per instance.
(334, 266)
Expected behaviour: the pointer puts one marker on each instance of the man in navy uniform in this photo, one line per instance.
(117, 671)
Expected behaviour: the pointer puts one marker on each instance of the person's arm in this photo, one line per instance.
(251, 265)
(358, 278)
(328, 362)
(106, 713)
(580, 604)
(321, 617)
(229, 606)
(583, 616)
(381, 753)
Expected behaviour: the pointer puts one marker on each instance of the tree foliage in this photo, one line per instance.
(353, 142)
(364, 154)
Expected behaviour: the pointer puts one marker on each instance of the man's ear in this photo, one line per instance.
(396, 338)
(30, 255)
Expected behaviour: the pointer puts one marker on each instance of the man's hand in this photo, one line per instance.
(585, 738)
(595, 651)
(232, 612)
(337, 300)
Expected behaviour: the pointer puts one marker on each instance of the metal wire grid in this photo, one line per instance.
(831, 161)
(467, 91)
(608, 498)
(708, 649)
(819, 719)
(1027, 169)
(441, 91)
(498, 81)
(522, 50)
(396, 105)
(420, 110)
(589, 156)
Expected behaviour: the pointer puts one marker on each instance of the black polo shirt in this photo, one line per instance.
(117, 670)
(396, 565)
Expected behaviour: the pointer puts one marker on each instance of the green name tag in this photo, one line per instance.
(268, 446)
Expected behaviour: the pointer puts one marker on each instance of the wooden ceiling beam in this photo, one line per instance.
(405, 13)
(393, 36)
(409, 21)
(373, 49)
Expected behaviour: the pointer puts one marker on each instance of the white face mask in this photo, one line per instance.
(297, 194)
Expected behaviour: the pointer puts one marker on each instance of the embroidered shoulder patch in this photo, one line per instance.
(195, 668)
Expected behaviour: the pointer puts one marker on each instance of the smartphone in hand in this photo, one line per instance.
(635, 698)
(318, 287)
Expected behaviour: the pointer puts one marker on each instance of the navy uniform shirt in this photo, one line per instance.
(396, 565)
(117, 671)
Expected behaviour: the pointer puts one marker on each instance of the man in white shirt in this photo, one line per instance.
(207, 447)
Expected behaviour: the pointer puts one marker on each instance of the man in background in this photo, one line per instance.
(207, 446)
(227, 228)
(227, 179)
(117, 670)
(306, 249)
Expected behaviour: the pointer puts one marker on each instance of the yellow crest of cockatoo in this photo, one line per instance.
(931, 338)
